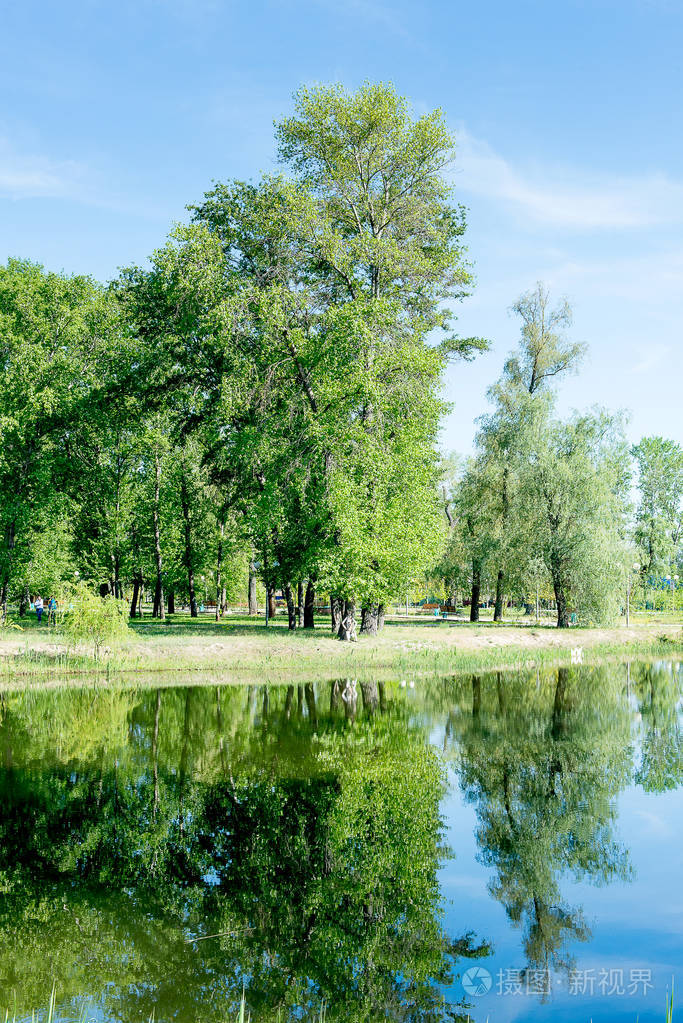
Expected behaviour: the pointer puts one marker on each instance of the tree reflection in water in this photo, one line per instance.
(163, 850)
(542, 763)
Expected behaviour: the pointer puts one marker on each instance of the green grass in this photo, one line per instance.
(239, 649)
(32, 665)
(35, 666)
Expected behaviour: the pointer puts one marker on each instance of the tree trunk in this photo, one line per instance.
(117, 587)
(476, 591)
(158, 611)
(560, 594)
(253, 609)
(24, 602)
(10, 542)
(219, 566)
(194, 610)
(562, 610)
(498, 609)
(476, 697)
(369, 620)
(136, 594)
(336, 609)
(300, 603)
(288, 702)
(335, 696)
(138, 577)
(380, 617)
(291, 610)
(370, 695)
(309, 599)
(272, 606)
(350, 697)
(171, 602)
(347, 625)
(188, 552)
(310, 705)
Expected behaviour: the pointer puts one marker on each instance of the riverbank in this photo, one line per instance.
(235, 650)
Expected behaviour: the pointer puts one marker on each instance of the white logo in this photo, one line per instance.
(476, 980)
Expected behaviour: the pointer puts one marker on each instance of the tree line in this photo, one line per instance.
(262, 400)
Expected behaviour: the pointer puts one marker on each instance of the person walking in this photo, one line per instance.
(52, 611)
(38, 604)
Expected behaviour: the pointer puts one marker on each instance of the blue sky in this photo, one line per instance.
(114, 116)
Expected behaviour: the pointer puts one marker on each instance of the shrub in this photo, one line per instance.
(89, 618)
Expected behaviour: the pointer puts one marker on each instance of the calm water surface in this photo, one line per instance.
(507, 845)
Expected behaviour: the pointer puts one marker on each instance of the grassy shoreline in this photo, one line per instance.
(235, 652)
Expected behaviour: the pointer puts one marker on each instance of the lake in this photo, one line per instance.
(508, 846)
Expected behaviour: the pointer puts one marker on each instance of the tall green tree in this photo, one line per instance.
(290, 326)
(529, 380)
(390, 245)
(53, 328)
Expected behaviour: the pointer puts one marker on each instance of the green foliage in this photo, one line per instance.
(575, 486)
(543, 506)
(659, 515)
(544, 354)
(269, 388)
(53, 328)
(287, 329)
(89, 618)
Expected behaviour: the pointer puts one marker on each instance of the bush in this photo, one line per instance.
(89, 618)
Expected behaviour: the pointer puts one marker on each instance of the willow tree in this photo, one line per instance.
(543, 356)
(575, 490)
(659, 515)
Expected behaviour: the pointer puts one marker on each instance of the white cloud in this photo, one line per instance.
(26, 176)
(568, 198)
